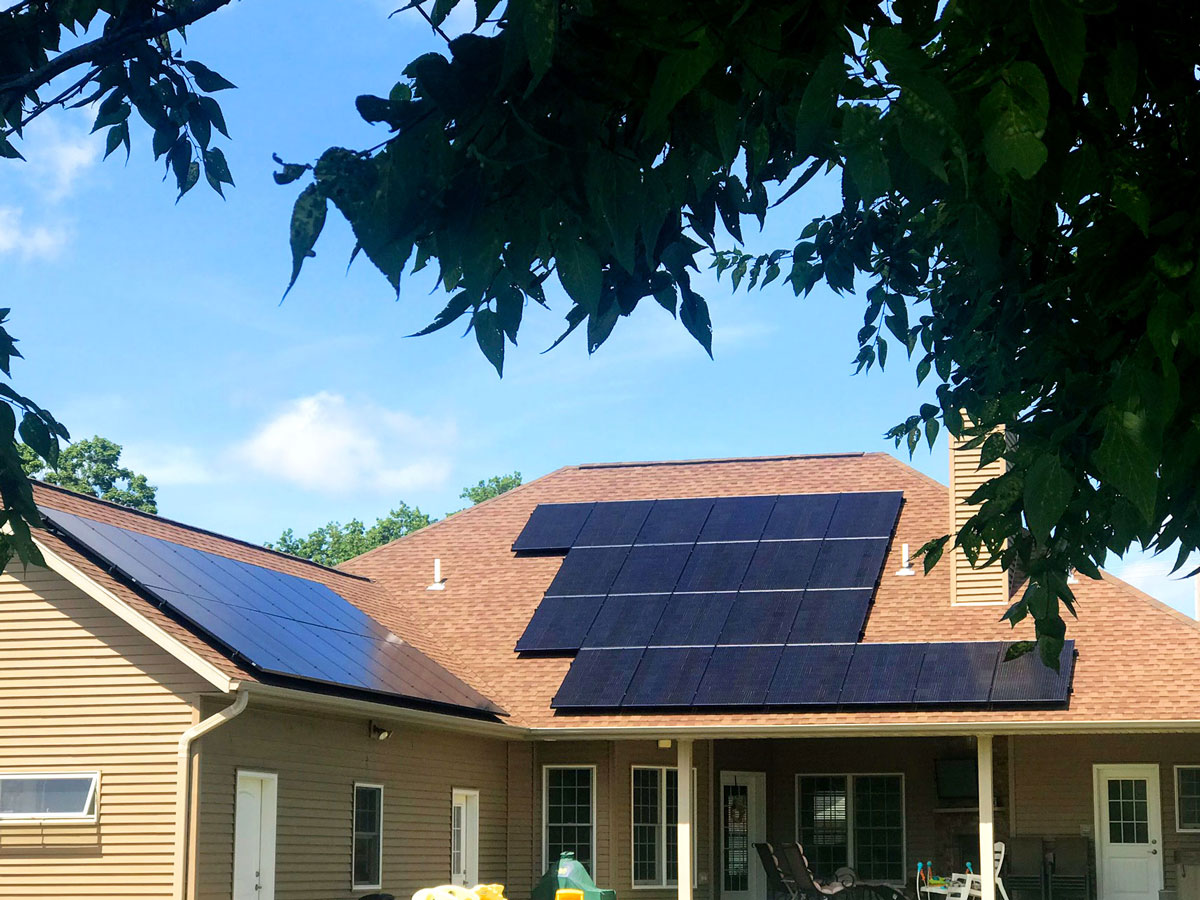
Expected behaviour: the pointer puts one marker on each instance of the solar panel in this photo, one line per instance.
(1026, 680)
(865, 515)
(559, 625)
(737, 676)
(882, 674)
(848, 564)
(831, 617)
(737, 518)
(691, 619)
(957, 673)
(613, 523)
(278, 623)
(597, 679)
(552, 526)
(764, 617)
(651, 570)
(674, 521)
(800, 516)
(667, 676)
(587, 570)
(781, 566)
(627, 621)
(810, 675)
(716, 567)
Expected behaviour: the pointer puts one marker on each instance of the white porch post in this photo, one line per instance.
(686, 815)
(987, 835)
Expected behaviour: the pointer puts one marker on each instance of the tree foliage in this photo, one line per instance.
(491, 487)
(93, 467)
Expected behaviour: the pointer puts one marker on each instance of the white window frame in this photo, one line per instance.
(850, 776)
(354, 834)
(546, 811)
(1175, 790)
(663, 881)
(82, 818)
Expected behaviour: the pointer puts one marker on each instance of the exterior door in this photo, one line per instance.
(1128, 832)
(464, 838)
(743, 824)
(254, 837)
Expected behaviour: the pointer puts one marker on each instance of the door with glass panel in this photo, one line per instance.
(743, 824)
(1128, 832)
(464, 838)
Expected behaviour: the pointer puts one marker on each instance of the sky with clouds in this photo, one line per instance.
(160, 325)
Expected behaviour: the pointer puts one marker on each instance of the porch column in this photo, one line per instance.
(987, 835)
(686, 813)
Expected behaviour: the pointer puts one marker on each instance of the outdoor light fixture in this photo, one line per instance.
(380, 732)
(664, 744)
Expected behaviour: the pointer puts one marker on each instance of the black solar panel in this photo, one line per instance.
(278, 623)
(651, 570)
(552, 526)
(613, 523)
(957, 673)
(882, 674)
(848, 564)
(810, 675)
(597, 679)
(763, 617)
(865, 515)
(587, 571)
(716, 567)
(737, 519)
(667, 676)
(738, 676)
(1026, 680)
(692, 619)
(781, 566)
(800, 516)
(559, 625)
(674, 521)
(626, 621)
(830, 617)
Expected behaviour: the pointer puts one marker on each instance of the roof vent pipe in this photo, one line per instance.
(439, 583)
(905, 564)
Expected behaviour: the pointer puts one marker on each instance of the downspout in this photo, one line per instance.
(183, 786)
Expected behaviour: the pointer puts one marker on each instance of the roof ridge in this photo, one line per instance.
(196, 529)
(718, 460)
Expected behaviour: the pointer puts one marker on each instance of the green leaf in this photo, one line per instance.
(216, 170)
(114, 109)
(193, 175)
(819, 102)
(693, 313)
(1048, 490)
(1061, 27)
(35, 433)
(1125, 461)
(206, 79)
(212, 110)
(579, 270)
(308, 218)
(7, 150)
(180, 160)
(861, 144)
(458, 305)
(1120, 81)
(1018, 649)
(539, 28)
(1013, 115)
(490, 337)
(676, 77)
(117, 135)
(291, 171)
(1129, 199)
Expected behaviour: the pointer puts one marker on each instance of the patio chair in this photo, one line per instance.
(970, 886)
(778, 883)
(1071, 873)
(844, 879)
(1026, 875)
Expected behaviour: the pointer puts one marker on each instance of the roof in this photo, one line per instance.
(1136, 655)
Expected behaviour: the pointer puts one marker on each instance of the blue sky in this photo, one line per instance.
(159, 326)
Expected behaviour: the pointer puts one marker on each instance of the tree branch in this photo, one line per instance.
(106, 44)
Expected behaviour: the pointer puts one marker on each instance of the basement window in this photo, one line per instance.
(59, 796)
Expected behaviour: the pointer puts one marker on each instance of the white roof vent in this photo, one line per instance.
(905, 563)
(439, 583)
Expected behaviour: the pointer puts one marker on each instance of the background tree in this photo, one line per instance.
(93, 467)
(490, 487)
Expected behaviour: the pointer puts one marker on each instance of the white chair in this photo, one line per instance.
(969, 886)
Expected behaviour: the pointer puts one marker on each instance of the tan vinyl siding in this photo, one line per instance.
(317, 760)
(968, 585)
(81, 690)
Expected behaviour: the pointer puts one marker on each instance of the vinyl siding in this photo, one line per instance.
(81, 690)
(968, 585)
(317, 760)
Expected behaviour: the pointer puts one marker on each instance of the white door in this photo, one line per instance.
(254, 837)
(1128, 832)
(464, 838)
(743, 824)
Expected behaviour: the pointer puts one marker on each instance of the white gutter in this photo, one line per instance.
(183, 786)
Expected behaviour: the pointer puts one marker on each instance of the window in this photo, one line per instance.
(852, 820)
(569, 814)
(656, 825)
(368, 836)
(1187, 798)
(63, 796)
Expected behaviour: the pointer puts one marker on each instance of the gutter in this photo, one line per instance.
(183, 786)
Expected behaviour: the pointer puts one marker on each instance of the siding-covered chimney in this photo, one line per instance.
(968, 586)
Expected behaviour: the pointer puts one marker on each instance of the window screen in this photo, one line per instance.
(656, 826)
(569, 814)
(50, 796)
(1187, 797)
(368, 835)
(852, 820)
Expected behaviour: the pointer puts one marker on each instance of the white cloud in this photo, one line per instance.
(326, 443)
(29, 241)
(169, 465)
(58, 156)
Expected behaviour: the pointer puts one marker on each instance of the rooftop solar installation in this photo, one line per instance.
(667, 676)
(559, 625)
(1026, 679)
(553, 526)
(597, 678)
(276, 623)
(810, 675)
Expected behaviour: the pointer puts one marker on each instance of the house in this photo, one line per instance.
(184, 715)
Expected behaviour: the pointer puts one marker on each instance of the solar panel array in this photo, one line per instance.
(708, 571)
(277, 623)
(747, 601)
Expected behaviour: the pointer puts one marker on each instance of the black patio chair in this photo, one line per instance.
(846, 882)
(1071, 873)
(779, 884)
(1025, 875)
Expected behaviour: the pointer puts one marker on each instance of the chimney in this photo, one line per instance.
(969, 586)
